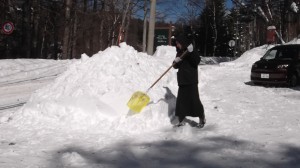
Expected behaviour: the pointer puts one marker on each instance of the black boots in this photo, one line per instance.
(201, 123)
(181, 122)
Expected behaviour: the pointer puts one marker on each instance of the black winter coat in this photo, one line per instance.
(188, 68)
(188, 101)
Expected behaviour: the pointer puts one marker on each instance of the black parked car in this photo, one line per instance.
(280, 65)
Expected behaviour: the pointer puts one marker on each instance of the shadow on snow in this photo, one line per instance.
(214, 152)
(297, 88)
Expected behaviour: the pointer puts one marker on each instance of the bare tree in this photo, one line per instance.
(36, 17)
(126, 12)
(74, 32)
(27, 22)
(145, 26)
(66, 36)
(214, 27)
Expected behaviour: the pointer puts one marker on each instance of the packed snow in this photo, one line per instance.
(73, 114)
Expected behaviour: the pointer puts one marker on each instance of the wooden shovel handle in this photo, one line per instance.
(181, 57)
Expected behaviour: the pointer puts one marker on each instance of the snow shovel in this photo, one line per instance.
(139, 99)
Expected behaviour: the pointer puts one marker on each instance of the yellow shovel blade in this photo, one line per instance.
(138, 101)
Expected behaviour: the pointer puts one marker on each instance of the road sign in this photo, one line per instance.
(162, 36)
(231, 43)
(8, 28)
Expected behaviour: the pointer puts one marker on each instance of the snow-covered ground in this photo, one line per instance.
(76, 116)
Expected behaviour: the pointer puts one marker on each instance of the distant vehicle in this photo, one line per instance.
(280, 65)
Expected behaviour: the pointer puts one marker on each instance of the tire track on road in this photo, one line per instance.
(9, 106)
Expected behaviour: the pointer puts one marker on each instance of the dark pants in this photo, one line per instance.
(188, 102)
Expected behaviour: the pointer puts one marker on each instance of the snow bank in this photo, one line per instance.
(249, 57)
(165, 52)
(253, 55)
(214, 60)
(93, 92)
(294, 41)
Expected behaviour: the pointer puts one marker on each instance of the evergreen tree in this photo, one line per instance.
(213, 29)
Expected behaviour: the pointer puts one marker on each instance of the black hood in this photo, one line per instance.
(183, 40)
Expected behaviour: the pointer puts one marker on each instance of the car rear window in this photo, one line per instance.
(287, 53)
(271, 54)
(281, 53)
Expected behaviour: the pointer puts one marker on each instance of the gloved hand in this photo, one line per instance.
(177, 59)
(190, 48)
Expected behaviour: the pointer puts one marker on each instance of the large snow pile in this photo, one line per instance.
(93, 92)
(294, 41)
(249, 57)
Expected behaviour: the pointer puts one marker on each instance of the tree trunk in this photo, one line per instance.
(86, 41)
(214, 29)
(124, 16)
(36, 18)
(74, 33)
(145, 26)
(85, 4)
(206, 34)
(95, 7)
(113, 29)
(27, 23)
(42, 54)
(101, 30)
(92, 29)
(55, 51)
(66, 37)
(127, 26)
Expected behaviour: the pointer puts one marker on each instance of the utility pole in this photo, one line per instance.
(145, 26)
(150, 43)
